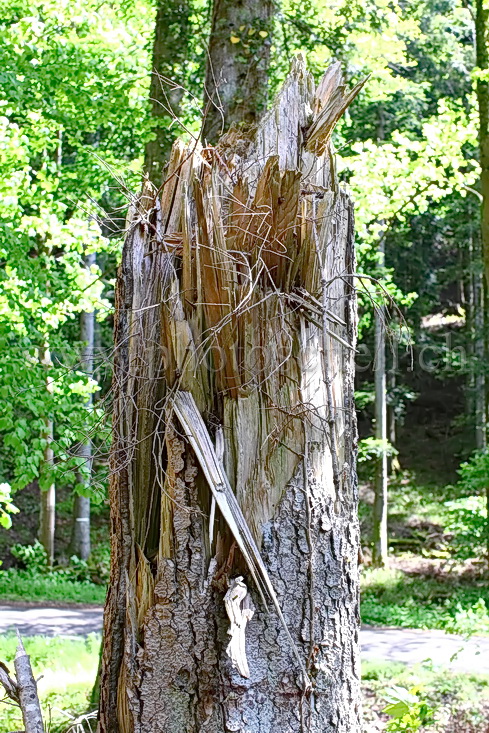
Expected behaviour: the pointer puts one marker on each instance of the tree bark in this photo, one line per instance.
(380, 544)
(236, 289)
(480, 361)
(482, 87)
(236, 80)
(170, 56)
(80, 534)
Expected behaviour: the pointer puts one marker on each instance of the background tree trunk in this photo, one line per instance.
(380, 544)
(47, 514)
(482, 87)
(80, 535)
(236, 80)
(170, 55)
(482, 62)
(239, 293)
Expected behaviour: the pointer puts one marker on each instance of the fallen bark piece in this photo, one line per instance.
(240, 610)
(27, 689)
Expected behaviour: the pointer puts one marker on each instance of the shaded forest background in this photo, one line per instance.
(80, 115)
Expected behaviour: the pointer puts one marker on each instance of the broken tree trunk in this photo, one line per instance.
(233, 458)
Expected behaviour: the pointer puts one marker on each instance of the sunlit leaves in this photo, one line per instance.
(72, 122)
(6, 506)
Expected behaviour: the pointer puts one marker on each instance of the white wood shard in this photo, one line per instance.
(240, 610)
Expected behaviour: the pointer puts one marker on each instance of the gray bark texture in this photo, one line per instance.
(236, 288)
(380, 538)
(236, 80)
(80, 534)
(27, 692)
(47, 504)
(169, 58)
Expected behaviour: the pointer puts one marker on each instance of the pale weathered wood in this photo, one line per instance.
(236, 312)
(27, 691)
(240, 610)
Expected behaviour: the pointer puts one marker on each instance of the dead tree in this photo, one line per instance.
(233, 461)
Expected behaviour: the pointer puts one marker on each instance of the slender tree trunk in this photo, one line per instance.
(380, 544)
(170, 56)
(236, 80)
(245, 314)
(393, 465)
(47, 516)
(479, 353)
(482, 61)
(80, 535)
(482, 87)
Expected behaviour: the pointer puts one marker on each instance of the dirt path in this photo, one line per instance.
(410, 646)
(413, 646)
(69, 621)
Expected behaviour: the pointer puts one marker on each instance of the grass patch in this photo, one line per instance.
(396, 598)
(68, 668)
(22, 585)
(458, 702)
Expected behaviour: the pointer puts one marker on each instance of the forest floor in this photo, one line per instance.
(452, 701)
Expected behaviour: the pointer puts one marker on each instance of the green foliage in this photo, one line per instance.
(33, 558)
(407, 710)
(468, 523)
(23, 585)
(6, 506)
(99, 563)
(65, 669)
(394, 598)
(468, 621)
(454, 701)
(370, 449)
(474, 474)
(72, 125)
(79, 581)
(468, 513)
(94, 570)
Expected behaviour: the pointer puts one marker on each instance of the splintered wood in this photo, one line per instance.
(198, 436)
(233, 367)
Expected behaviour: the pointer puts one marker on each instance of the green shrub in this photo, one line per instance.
(407, 710)
(99, 563)
(394, 598)
(468, 513)
(32, 558)
(24, 585)
(467, 521)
